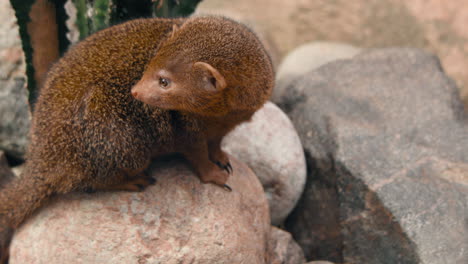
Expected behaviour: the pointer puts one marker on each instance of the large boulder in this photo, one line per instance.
(269, 144)
(386, 143)
(178, 220)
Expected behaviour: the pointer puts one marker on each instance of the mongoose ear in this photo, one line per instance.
(214, 78)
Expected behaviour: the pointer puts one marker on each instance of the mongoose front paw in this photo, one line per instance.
(216, 176)
(221, 159)
(6, 234)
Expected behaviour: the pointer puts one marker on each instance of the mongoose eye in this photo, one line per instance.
(163, 82)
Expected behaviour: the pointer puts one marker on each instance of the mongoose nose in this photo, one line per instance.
(134, 93)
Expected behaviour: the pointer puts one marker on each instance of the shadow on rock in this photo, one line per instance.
(362, 228)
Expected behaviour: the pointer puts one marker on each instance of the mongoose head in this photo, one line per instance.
(180, 85)
(208, 66)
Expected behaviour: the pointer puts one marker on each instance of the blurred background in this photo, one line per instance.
(433, 25)
(437, 26)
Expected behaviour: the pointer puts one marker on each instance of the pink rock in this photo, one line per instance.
(178, 220)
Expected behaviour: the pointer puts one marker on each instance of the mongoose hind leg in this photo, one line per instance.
(124, 180)
(131, 185)
(218, 156)
(137, 180)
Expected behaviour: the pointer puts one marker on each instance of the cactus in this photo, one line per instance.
(92, 15)
(22, 16)
(123, 10)
(82, 18)
(175, 8)
(100, 18)
(23, 12)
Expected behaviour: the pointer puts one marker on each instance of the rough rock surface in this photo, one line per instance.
(14, 112)
(269, 144)
(386, 143)
(284, 249)
(15, 117)
(309, 57)
(178, 220)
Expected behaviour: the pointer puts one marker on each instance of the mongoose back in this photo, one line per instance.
(132, 92)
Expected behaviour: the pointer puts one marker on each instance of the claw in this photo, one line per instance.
(151, 180)
(89, 190)
(227, 188)
(229, 168)
(137, 185)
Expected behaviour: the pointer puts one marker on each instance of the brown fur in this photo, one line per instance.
(89, 132)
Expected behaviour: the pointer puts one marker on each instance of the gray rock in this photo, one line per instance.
(284, 249)
(15, 117)
(178, 220)
(14, 112)
(9, 36)
(269, 144)
(386, 143)
(309, 57)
